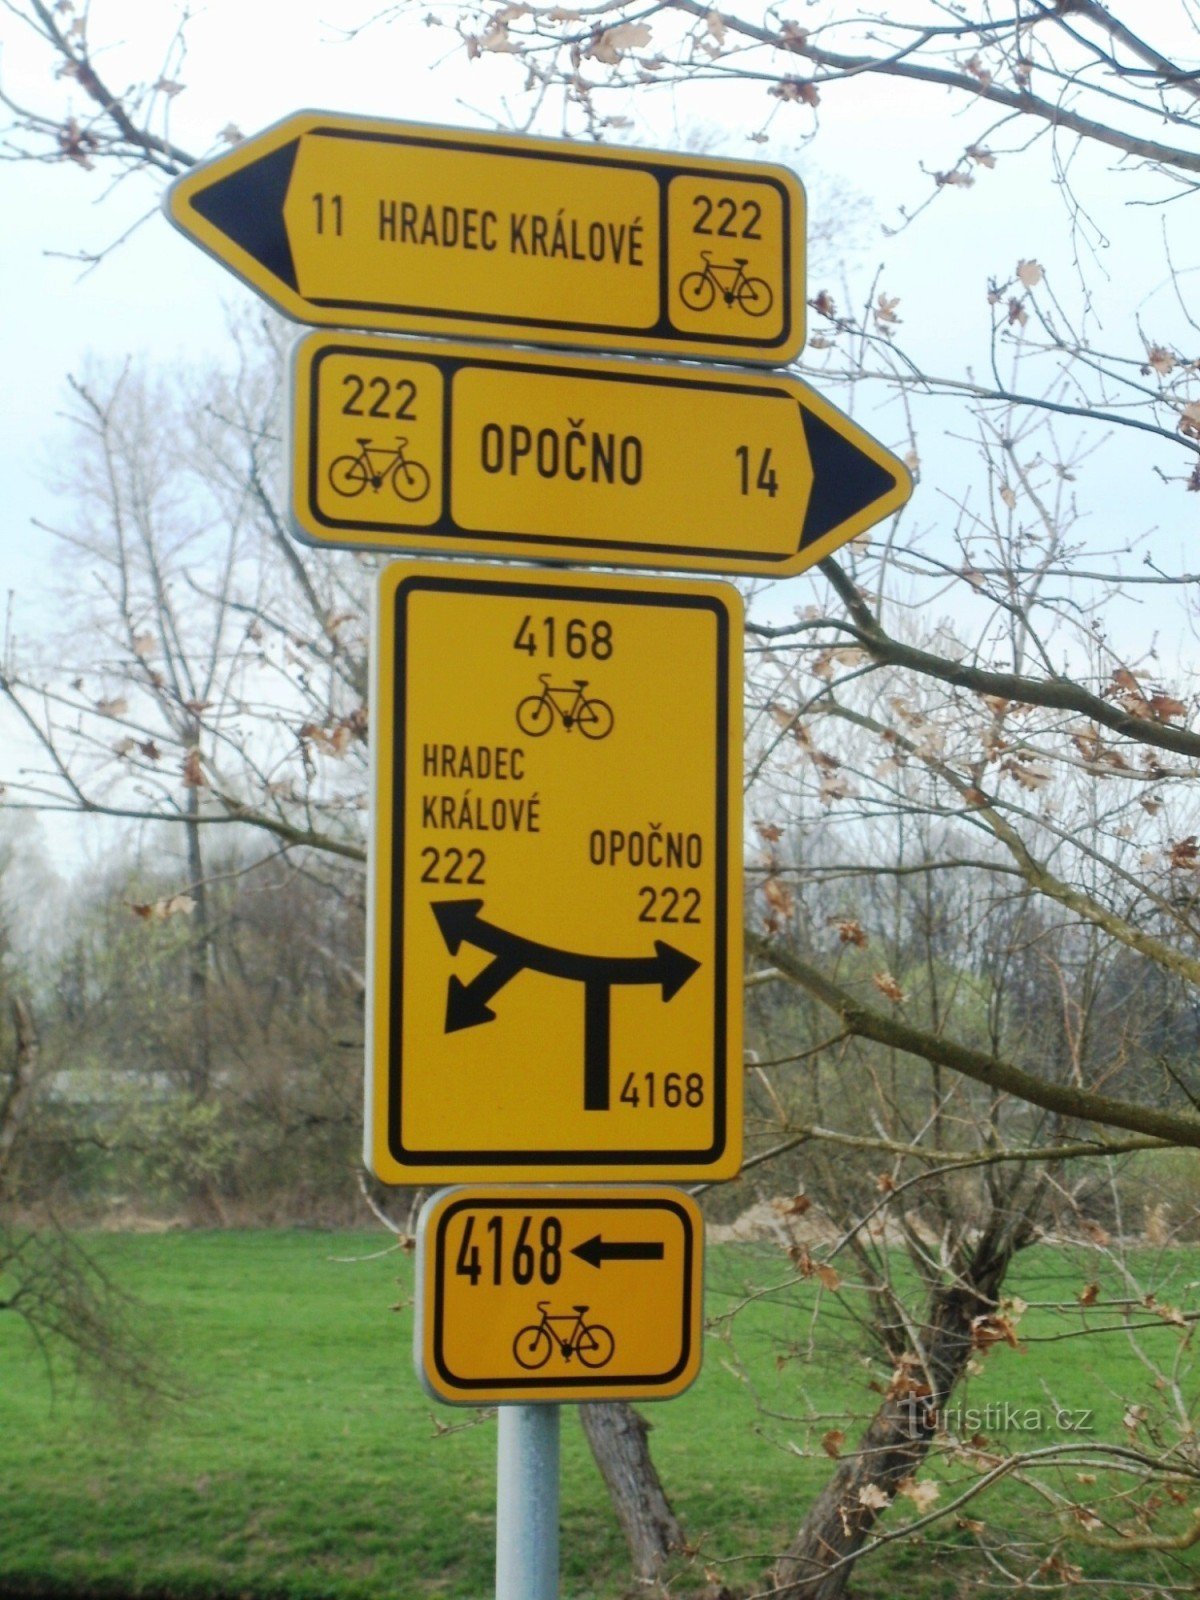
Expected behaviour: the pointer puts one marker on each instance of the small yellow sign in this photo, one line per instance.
(558, 1294)
(555, 910)
(341, 220)
(405, 445)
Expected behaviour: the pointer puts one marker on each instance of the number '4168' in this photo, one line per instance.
(532, 1253)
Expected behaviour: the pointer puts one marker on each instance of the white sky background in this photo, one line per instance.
(250, 62)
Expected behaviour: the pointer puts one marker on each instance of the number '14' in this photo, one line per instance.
(764, 479)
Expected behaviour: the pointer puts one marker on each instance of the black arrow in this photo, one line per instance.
(247, 207)
(596, 1251)
(467, 1003)
(461, 923)
(846, 480)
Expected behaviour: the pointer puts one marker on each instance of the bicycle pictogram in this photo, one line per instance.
(376, 465)
(566, 703)
(592, 1342)
(699, 290)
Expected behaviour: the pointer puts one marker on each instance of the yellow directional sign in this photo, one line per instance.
(351, 221)
(558, 1294)
(401, 445)
(555, 936)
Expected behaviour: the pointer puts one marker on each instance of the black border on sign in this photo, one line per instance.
(608, 594)
(662, 172)
(426, 535)
(592, 1380)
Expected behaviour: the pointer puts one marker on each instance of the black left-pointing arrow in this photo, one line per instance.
(596, 1250)
(247, 207)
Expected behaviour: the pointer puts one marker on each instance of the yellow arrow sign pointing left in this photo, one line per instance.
(353, 221)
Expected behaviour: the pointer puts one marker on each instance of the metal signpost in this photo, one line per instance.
(554, 939)
(351, 221)
(411, 446)
(556, 860)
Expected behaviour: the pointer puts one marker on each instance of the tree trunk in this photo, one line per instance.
(818, 1564)
(617, 1435)
(16, 1094)
(200, 1064)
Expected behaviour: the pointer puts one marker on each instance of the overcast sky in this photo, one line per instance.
(250, 62)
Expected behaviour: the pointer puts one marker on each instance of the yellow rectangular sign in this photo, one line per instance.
(555, 905)
(558, 1294)
(407, 445)
(353, 221)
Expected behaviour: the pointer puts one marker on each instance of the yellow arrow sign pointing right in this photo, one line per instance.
(419, 446)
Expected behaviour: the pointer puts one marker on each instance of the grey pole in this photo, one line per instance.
(527, 1503)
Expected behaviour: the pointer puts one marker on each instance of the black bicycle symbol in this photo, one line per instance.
(350, 475)
(567, 702)
(698, 290)
(592, 1342)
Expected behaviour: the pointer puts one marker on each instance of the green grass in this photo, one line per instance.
(308, 1462)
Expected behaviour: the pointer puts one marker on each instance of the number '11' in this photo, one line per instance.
(331, 211)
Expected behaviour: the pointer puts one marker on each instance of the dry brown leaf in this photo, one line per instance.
(795, 1207)
(779, 896)
(850, 932)
(829, 1276)
(613, 43)
(802, 91)
(889, 987)
(1030, 273)
(1133, 1416)
(801, 1259)
(1165, 708)
(1026, 774)
(1184, 854)
(924, 1495)
(873, 1497)
(832, 1442)
(1160, 360)
(193, 773)
(1089, 1294)
(116, 707)
(993, 1328)
(175, 905)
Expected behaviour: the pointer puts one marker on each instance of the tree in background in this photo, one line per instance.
(974, 692)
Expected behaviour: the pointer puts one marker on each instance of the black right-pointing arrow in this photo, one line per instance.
(846, 480)
(596, 1251)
